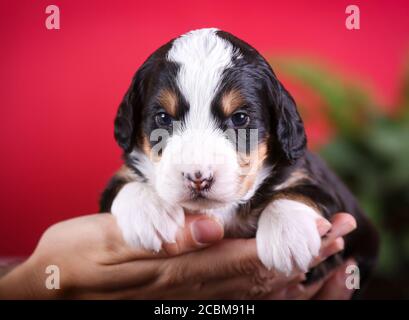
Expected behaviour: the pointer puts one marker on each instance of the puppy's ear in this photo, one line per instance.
(124, 124)
(289, 128)
(129, 111)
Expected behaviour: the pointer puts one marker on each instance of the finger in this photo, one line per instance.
(179, 270)
(199, 231)
(328, 250)
(342, 224)
(335, 288)
(227, 258)
(332, 242)
(120, 276)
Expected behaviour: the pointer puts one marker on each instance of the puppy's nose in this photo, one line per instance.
(197, 182)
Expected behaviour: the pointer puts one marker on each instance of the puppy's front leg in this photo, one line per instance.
(287, 236)
(144, 219)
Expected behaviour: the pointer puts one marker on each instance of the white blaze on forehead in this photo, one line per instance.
(202, 56)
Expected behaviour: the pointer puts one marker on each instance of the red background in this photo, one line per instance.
(60, 89)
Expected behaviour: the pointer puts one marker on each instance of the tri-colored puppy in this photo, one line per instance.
(206, 126)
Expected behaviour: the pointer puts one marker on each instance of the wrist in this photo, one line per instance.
(26, 281)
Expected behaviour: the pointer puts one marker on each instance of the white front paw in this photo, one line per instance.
(287, 236)
(144, 219)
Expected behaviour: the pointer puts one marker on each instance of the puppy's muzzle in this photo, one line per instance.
(197, 182)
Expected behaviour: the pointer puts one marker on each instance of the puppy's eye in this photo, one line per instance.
(240, 119)
(163, 119)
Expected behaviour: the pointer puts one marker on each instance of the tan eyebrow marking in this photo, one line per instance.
(231, 101)
(168, 101)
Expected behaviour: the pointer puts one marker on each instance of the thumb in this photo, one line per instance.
(199, 232)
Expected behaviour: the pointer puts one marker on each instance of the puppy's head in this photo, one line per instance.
(205, 119)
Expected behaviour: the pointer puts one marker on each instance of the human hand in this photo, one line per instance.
(95, 262)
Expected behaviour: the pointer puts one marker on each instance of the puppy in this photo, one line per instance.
(206, 126)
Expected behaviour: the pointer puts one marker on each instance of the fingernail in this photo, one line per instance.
(346, 228)
(323, 226)
(206, 231)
